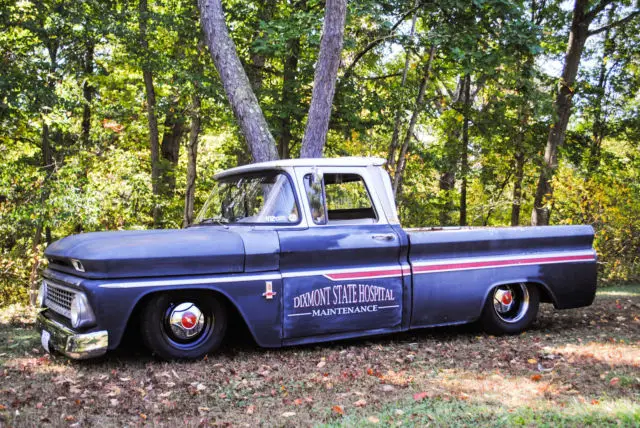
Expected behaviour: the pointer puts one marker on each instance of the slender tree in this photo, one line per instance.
(240, 93)
(582, 18)
(147, 75)
(324, 82)
(236, 84)
(418, 108)
(192, 157)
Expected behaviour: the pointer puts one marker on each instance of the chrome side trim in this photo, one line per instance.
(296, 274)
(193, 281)
(530, 256)
(75, 345)
(495, 262)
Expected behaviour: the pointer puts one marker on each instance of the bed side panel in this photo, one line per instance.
(454, 270)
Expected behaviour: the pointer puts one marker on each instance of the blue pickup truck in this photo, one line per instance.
(304, 251)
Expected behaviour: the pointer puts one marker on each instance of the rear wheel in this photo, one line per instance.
(510, 308)
(183, 325)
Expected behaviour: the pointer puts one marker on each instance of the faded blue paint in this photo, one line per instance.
(328, 282)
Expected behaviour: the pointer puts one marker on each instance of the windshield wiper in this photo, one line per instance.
(218, 220)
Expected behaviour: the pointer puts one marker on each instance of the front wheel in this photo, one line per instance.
(510, 308)
(183, 325)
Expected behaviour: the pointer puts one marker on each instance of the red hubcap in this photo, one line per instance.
(507, 298)
(188, 320)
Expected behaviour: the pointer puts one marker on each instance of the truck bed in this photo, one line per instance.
(458, 266)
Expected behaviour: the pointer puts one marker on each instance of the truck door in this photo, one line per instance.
(342, 274)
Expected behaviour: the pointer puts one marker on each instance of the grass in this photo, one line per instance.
(440, 412)
(577, 367)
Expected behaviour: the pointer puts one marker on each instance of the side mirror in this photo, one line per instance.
(315, 194)
(316, 178)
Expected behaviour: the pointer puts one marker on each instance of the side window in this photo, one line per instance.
(315, 195)
(347, 198)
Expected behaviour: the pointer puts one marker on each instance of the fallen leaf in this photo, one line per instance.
(420, 396)
(144, 417)
(536, 377)
(321, 364)
(360, 403)
(614, 381)
(338, 409)
(532, 361)
(297, 401)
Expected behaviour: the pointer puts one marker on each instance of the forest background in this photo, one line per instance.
(489, 112)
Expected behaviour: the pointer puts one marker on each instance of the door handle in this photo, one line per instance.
(384, 237)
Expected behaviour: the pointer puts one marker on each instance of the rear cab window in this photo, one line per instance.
(339, 198)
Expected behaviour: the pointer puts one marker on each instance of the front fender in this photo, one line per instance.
(115, 302)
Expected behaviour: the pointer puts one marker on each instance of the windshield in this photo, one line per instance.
(264, 198)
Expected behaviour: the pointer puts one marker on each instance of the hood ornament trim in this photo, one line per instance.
(77, 264)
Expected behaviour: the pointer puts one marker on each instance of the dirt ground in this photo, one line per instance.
(575, 367)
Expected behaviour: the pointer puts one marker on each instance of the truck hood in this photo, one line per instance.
(193, 251)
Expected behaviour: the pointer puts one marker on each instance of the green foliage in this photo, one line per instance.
(62, 60)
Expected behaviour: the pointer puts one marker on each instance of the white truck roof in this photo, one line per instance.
(353, 161)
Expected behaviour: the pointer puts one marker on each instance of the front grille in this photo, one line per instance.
(58, 298)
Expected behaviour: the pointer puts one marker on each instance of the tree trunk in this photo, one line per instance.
(192, 157)
(174, 128)
(450, 159)
(517, 184)
(236, 83)
(420, 103)
(464, 151)
(447, 183)
(47, 164)
(577, 37)
(599, 121)
(324, 82)
(147, 75)
(256, 71)
(524, 113)
(397, 120)
(87, 93)
(48, 168)
(288, 98)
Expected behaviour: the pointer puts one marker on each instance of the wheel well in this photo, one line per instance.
(545, 294)
(235, 319)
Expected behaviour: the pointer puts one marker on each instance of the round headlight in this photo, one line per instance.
(75, 311)
(42, 292)
(81, 313)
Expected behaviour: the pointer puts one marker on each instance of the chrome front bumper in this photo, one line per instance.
(74, 345)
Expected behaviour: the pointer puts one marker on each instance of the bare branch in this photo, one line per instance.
(384, 76)
(590, 16)
(615, 23)
(349, 70)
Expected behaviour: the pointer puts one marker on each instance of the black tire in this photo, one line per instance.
(517, 318)
(160, 337)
